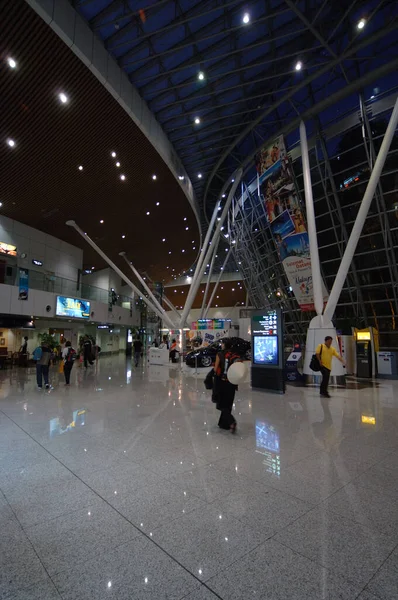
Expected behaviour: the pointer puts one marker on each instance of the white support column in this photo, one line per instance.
(361, 216)
(144, 285)
(208, 281)
(207, 251)
(199, 264)
(309, 205)
(216, 285)
(161, 315)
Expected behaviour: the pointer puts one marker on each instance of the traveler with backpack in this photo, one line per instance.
(69, 356)
(223, 389)
(42, 356)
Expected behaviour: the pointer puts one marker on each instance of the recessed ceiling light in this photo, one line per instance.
(164, 239)
(182, 250)
(1, 204)
(102, 220)
(232, 180)
(118, 164)
(11, 143)
(113, 154)
(157, 203)
(361, 24)
(223, 196)
(80, 167)
(63, 98)
(201, 76)
(246, 18)
(299, 65)
(123, 236)
(11, 62)
(123, 177)
(181, 177)
(186, 228)
(148, 213)
(185, 218)
(199, 175)
(197, 120)
(154, 177)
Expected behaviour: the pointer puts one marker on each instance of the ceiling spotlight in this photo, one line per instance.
(11, 143)
(299, 66)
(118, 164)
(154, 177)
(11, 63)
(185, 218)
(157, 203)
(80, 168)
(223, 196)
(197, 120)
(1, 204)
(201, 76)
(361, 24)
(181, 177)
(246, 18)
(199, 175)
(148, 213)
(123, 237)
(102, 220)
(63, 98)
(164, 239)
(113, 154)
(123, 177)
(186, 228)
(182, 250)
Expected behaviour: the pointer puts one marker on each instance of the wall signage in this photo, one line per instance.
(72, 307)
(36, 262)
(23, 284)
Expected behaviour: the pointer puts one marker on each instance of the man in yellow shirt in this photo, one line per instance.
(324, 354)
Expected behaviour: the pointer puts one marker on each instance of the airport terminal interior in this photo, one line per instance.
(198, 300)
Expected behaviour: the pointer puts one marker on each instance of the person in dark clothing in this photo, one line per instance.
(137, 351)
(224, 390)
(23, 352)
(69, 355)
(42, 356)
(87, 351)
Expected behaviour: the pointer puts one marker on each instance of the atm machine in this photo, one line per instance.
(364, 351)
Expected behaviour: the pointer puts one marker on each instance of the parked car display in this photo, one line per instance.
(206, 356)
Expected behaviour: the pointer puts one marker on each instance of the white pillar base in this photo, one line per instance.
(319, 328)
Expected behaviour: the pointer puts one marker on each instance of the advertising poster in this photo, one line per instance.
(23, 284)
(288, 226)
(72, 307)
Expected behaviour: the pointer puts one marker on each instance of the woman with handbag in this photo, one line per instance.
(223, 390)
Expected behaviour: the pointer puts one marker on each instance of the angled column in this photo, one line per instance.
(216, 285)
(160, 314)
(309, 205)
(144, 285)
(361, 216)
(208, 281)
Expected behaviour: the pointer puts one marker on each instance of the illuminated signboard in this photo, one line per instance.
(265, 339)
(8, 249)
(72, 307)
(363, 336)
(36, 262)
(368, 420)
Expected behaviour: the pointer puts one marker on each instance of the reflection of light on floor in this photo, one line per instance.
(267, 443)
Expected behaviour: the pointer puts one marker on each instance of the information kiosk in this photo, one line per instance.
(267, 350)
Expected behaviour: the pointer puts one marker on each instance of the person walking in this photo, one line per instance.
(69, 357)
(87, 352)
(23, 353)
(324, 354)
(42, 356)
(137, 351)
(224, 390)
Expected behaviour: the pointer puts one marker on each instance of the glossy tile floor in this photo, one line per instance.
(122, 487)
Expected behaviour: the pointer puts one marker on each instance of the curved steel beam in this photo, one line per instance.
(353, 86)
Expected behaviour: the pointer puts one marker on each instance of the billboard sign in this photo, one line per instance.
(72, 307)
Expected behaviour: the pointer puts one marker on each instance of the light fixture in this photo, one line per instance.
(186, 228)
(80, 167)
(123, 177)
(113, 154)
(223, 196)
(181, 177)
(182, 250)
(148, 213)
(11, 62)
(1, 204)
(157, 203)
(246, 18)
(154, 177)
(299, 65)
(118, 164)
(232, 180)
(123, 236)
(11, 143)
(185, 218)
(164, 239)
(361, 24)
(197, 120)
(102, 220)
(201, 76)
(199, 175)
(63, 98)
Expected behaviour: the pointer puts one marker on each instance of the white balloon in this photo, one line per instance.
(236, 373)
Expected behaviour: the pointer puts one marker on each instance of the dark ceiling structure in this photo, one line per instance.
(61, 166)
(222, 76)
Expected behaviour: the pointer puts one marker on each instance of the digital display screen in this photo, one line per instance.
(265, 350)
(72, 307)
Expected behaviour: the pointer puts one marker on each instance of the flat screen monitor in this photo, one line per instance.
(72, 307)
(265, 350)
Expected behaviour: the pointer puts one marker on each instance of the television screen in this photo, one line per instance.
(265, 350)
(72, 307)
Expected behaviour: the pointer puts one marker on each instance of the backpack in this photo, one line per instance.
(230, 358)
(315, 365)
(70, 357)
(37, 354)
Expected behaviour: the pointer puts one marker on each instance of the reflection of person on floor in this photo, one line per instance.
(87, 351)
(224, 390)
(137, 344)
(324, 354)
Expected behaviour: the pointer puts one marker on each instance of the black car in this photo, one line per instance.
(205, 357)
